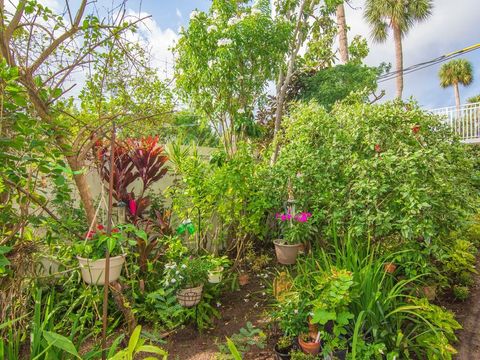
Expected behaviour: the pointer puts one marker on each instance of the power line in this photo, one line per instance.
(393, 74)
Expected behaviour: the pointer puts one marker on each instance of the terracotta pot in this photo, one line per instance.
(309, 347)
(215, 276)
(189, 297)
(283, 354)
(243, 279)
(430, 292)
(390, 267)
(93, 271)
(286, 253)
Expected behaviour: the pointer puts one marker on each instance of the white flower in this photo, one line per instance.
(233, 21)
(193, 14)
(246, 300)
(210, 63)
(295, 311)
(224, 41)
(177, 272)
(219, 304)
(263, 293)
(215, 15)
(173, 281)
(241, 111)
(184, 266)
(211, 28)
(256, 11)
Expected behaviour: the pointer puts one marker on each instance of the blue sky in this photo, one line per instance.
(452, 26)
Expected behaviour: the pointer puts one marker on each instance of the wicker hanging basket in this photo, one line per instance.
(190, 296)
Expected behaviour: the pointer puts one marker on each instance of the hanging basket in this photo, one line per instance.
(93, 271)
(190, 296)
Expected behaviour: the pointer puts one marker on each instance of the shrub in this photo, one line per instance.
(386, 170)
(461, 292)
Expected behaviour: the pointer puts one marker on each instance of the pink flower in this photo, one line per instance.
(132, 206)
(100, 227)
(283, 217)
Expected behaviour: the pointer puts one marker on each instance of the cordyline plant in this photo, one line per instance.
(142, 159)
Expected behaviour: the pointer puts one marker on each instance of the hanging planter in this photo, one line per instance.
(215, 276)
(93, 271)
(191, 296)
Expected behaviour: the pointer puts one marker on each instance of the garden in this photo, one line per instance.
(208, 218)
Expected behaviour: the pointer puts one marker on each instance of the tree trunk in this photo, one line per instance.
(82, 187)
(457, 96)
(342, 34)
(397, 36)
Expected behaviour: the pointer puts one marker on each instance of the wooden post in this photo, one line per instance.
(107, 253)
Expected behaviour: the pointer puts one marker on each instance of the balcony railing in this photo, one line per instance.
(464, 121)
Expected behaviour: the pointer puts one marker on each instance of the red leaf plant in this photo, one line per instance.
(142, 159)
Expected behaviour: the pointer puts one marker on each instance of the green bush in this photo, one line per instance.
(461, 292)
(391, 171)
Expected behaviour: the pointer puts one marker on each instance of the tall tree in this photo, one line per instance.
(456, 72)
(48, 48)
(400, 16)
(342, 33)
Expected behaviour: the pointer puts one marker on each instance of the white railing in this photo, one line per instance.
(464, 121)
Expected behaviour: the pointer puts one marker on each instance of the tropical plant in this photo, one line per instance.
(456, 72)
(474, 99)
(136, 346)
(142, 159)
(400, 16)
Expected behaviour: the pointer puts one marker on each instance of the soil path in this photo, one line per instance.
(237, 308)
(468, 314)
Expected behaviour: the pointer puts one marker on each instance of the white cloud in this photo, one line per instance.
(452, 26)
(159, 41)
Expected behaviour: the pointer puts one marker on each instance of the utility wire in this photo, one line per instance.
(393, 74)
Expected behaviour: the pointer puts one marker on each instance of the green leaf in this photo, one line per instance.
(132, 343)
(233, 349)
(322, 317)
(60, 342)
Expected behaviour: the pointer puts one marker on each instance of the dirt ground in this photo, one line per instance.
(468, 315)
(237, 308)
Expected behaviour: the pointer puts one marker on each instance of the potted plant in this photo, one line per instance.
(188, 278)
(308, 344)
(283, 347)
(91, 254)
(243, 278)
(216, 267)
(295, 230)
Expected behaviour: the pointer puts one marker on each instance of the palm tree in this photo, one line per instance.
(456, 72)
(342, 33)
(400, 16)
